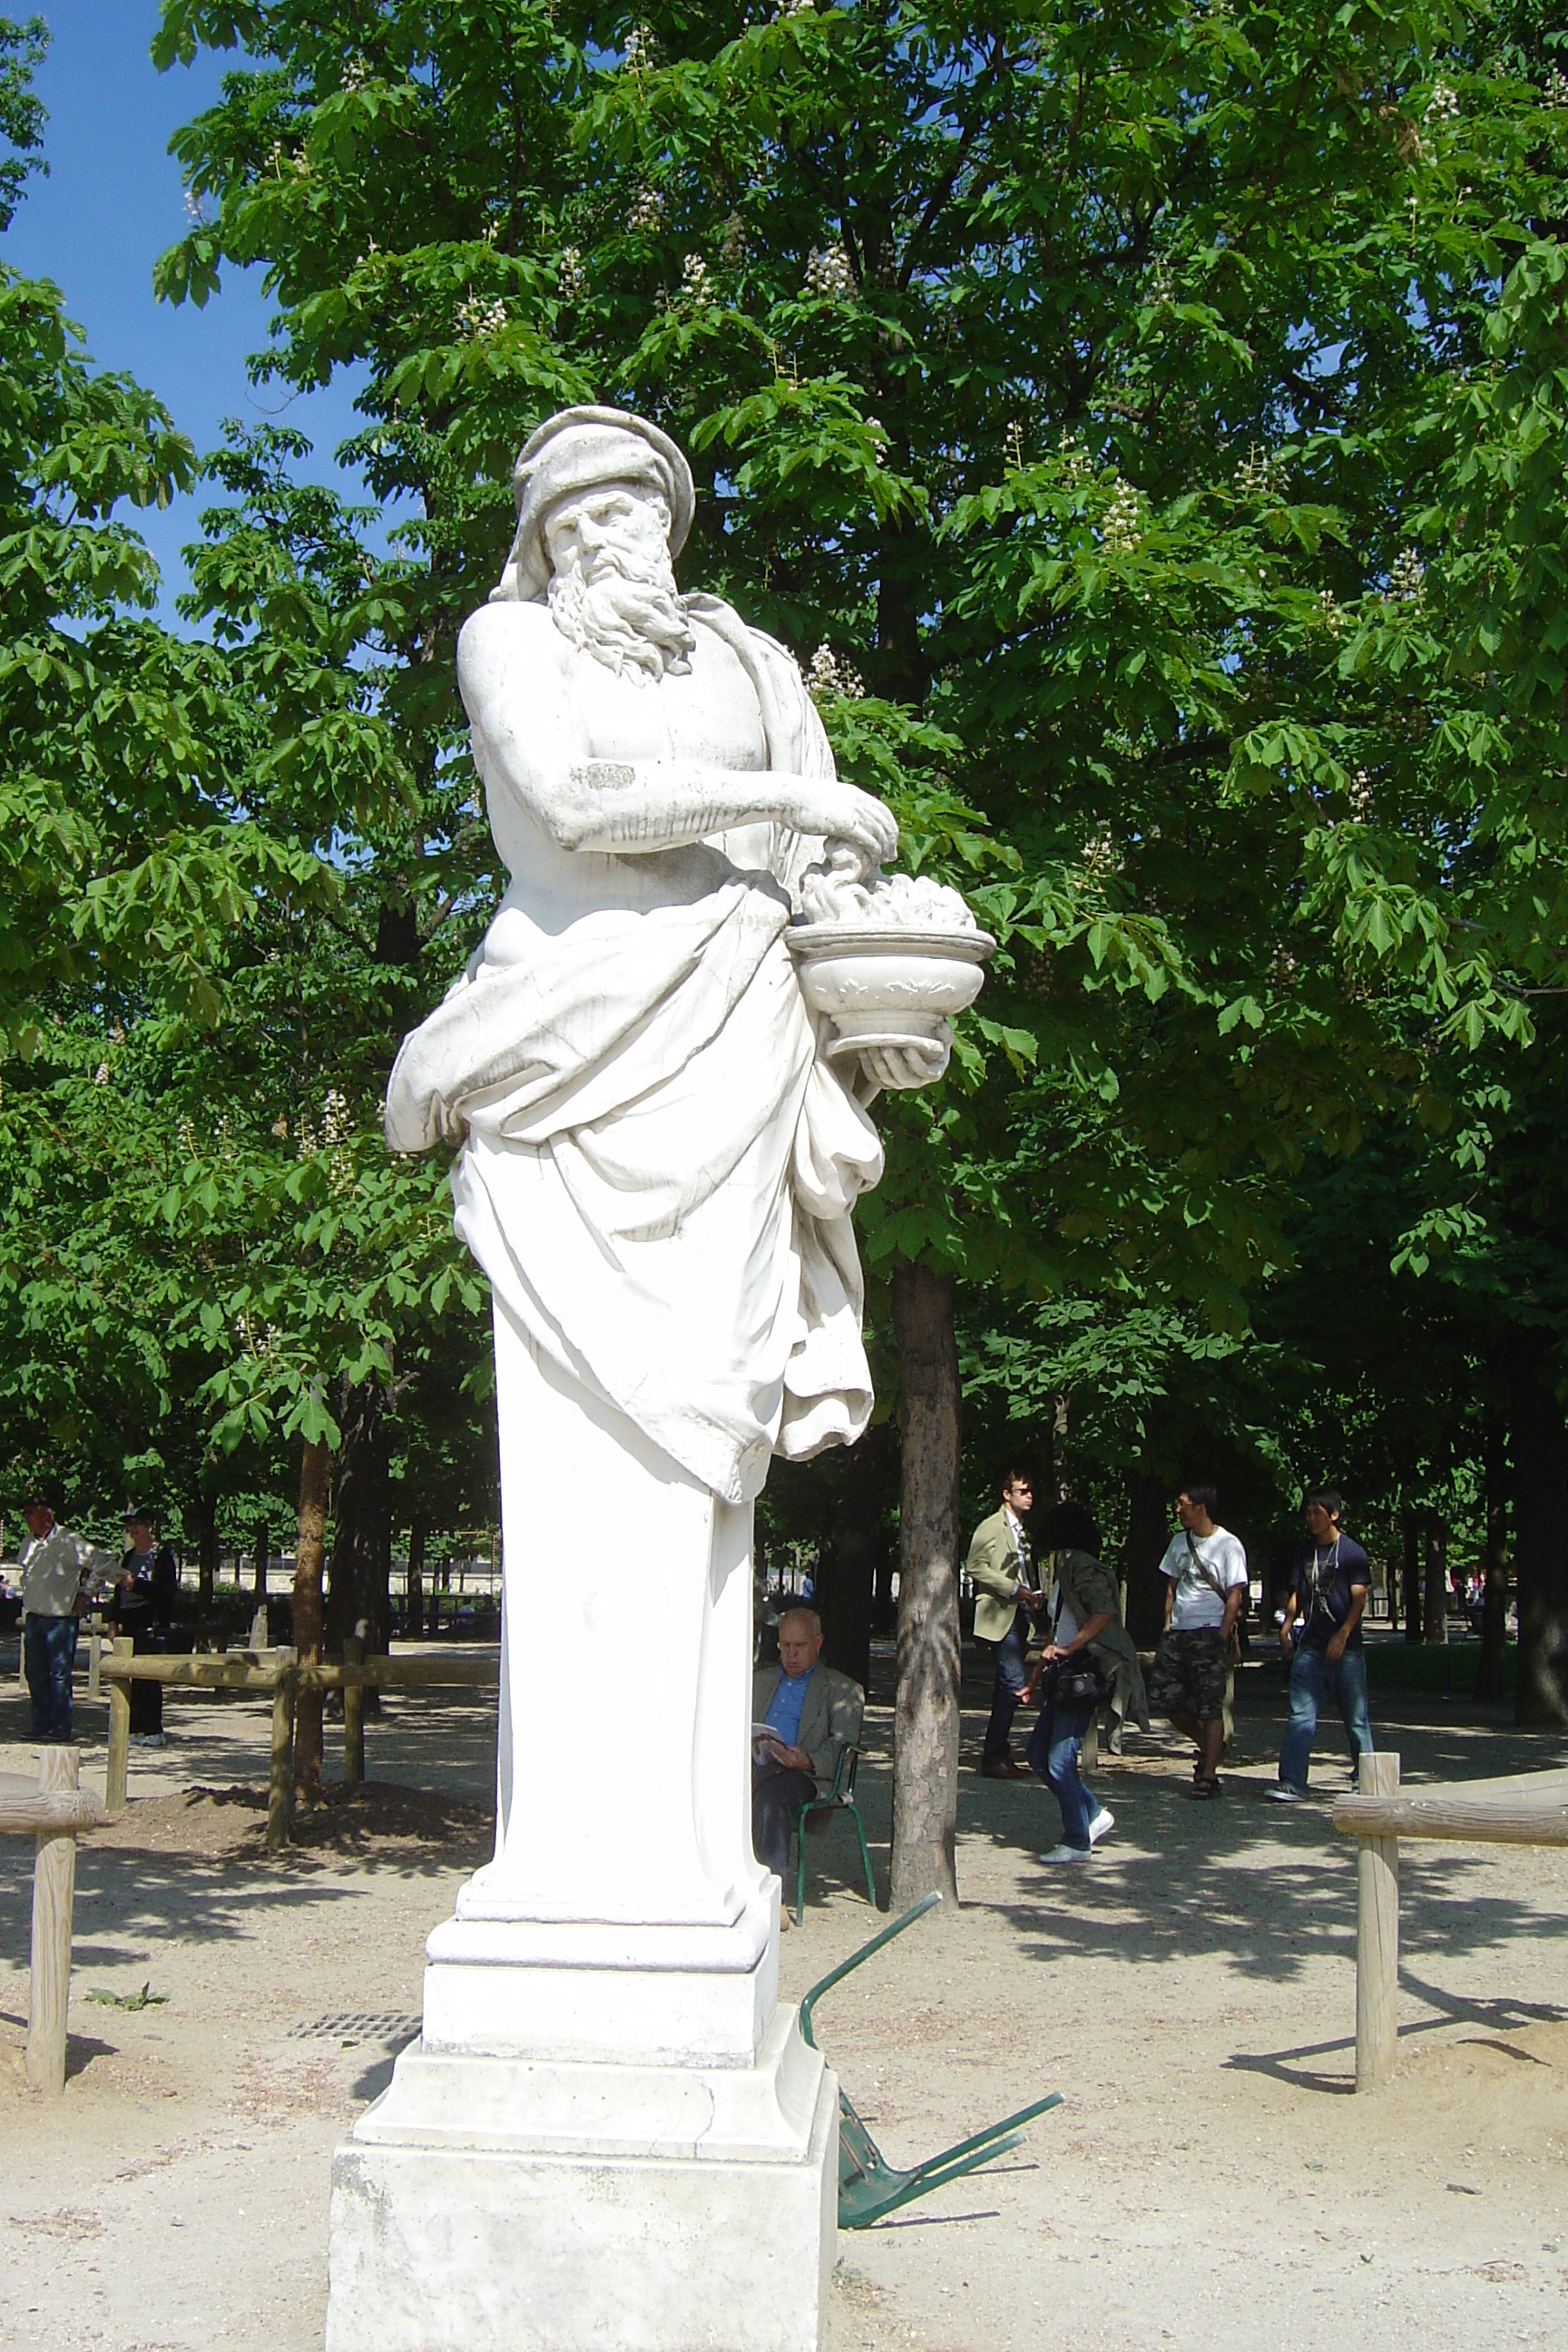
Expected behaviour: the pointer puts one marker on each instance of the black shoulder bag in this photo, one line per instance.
(1078, 1681)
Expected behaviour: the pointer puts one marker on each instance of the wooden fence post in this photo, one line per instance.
(54, 1892)
(117, 1762)
(1377, 1934)
(353, 1716)
(94, 1656)
(281, 1775)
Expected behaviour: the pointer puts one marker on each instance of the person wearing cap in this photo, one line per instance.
(56, 1567)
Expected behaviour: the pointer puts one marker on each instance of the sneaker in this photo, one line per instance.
(1284, 1792)
(1102, 1824)
(1066, 1853)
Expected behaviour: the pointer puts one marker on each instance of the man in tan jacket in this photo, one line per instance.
(1001, 1569)
(813, 1714)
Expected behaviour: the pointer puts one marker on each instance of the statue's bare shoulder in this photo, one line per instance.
(504, 643)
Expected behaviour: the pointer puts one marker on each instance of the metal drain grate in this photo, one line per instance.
(352, 2028)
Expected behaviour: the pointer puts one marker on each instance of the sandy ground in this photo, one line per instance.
(1210, 2181)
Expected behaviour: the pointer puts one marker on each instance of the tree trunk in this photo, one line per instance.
(259, 1573)
(310, 1560)
(414, 1604)
(1142, 1555)
(359, 1596)
(1434, 1616)
(207, 1554)
(844, 1593)
(1410, 1532)
(1540, 1447)
(1492, 1675)
(925, 1715)
(1059, 1425)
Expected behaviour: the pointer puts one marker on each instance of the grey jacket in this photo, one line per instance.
(829, 1721)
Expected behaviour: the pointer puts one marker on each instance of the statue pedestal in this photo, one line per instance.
(504, 2204)
(610, 2138)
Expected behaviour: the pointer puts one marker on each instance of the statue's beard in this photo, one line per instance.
(623, 607)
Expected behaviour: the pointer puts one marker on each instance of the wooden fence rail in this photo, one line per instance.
(1525, 1809)
(280, 1673)
(55, 1813)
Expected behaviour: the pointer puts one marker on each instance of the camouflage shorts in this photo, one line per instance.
(1188, 1673)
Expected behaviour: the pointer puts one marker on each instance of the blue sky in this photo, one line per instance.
(112, 204)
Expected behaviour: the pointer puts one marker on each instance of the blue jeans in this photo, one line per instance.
(1053, 1755)
(1012, 1674)
(48, 1646)
(1313, 1682)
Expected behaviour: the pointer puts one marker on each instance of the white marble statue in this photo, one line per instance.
(657, 1166)
(660, 1101)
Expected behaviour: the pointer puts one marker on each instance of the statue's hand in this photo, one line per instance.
(844, 814)
(902, 1068)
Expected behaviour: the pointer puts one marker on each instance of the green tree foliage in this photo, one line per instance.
(1142, 420)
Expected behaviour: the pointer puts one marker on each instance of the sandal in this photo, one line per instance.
(1203, 1790)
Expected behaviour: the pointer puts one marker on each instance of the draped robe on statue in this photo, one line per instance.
(657, 1164)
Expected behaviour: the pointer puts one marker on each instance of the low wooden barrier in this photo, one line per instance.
(1524, 1809)
(280, 1673)
(55, 1813)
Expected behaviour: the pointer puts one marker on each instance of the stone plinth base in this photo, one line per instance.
(496, 2204)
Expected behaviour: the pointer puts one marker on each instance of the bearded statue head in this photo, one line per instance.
(604, 503)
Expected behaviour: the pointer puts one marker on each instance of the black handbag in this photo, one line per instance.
(1076, 1682)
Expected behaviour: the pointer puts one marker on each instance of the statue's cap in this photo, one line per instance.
(583, 449)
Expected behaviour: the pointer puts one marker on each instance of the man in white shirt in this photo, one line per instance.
(1205, 1592)
(55, 1566)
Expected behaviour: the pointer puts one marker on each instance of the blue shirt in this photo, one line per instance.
(784, 1708)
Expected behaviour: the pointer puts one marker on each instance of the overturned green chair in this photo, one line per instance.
(840, 1798)
(868, 2186)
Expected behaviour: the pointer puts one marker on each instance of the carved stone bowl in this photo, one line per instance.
(885, 988)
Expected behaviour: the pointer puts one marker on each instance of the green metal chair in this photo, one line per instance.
(839, 1799)
(868, 2186)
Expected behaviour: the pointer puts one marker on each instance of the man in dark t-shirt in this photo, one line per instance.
(1322, 1638)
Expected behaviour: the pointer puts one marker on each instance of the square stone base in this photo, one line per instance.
(487, 2204)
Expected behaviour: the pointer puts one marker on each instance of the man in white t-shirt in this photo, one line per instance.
(1205, 1592)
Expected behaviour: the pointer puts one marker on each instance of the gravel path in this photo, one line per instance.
(1211, 2180)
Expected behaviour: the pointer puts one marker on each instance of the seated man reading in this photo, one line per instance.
(813, 1714)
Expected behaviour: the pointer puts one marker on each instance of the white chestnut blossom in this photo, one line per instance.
(1406, 582)
(1076, 461)
(1122, 527)
(478, 319)
(827, 273)
(827, 674)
